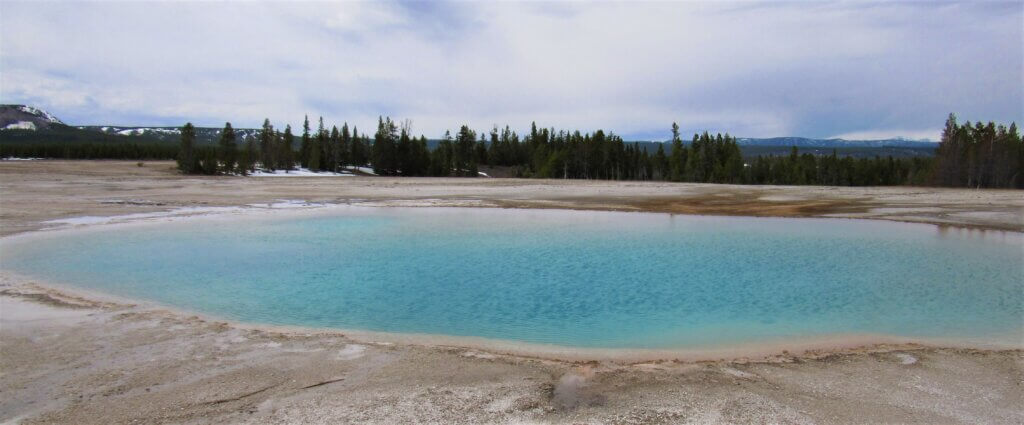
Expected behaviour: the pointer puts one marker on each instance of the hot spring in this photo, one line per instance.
(566, 278)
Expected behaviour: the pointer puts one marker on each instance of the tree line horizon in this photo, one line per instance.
(979, 155)
(968, 155)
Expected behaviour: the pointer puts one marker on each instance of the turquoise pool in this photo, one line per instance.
(571, 278)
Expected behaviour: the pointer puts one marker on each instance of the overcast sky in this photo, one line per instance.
(851, 69)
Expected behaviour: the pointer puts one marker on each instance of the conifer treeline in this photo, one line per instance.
(973, 156)
(982, 155)
(99, 150)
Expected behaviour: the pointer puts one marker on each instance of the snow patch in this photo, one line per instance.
(14, 158)
(367, 170)
(351, 352)
(479, 355)
(906, 359)
(21, 125)
(299, 172)
(40, 113)
(164, 130)
(139, 131)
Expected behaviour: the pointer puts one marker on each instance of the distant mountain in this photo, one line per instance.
(210, 135)
(803, 142)
(204, 135)
(806, 142)
(780, 146)
(20, 124)
(25, 124)
(21, 117)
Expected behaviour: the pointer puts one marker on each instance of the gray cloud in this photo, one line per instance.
(752, 69)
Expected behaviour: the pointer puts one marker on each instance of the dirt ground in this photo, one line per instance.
(32, 192)
(68, 357)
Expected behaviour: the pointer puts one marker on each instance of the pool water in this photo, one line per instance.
(571, 278)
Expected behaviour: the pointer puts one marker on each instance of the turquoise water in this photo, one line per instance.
(585, 279)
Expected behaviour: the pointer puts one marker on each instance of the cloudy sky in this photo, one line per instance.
(851, 69)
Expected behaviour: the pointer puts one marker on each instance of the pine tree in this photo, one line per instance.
(345, 147)
(267, 137)
(406, 161)
(465, 161)
(208, 161)
(359, 157)
(315, 146)
(384, 156)
(495, 152)
(250, 154)
(335, 150)
(287, 155)
(304, 147)
(481, 150)
(679, 158)
(422, 155)
(187, 158)
(441, 160)
(244, 160)
(228, 149)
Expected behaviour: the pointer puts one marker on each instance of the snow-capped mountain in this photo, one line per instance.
(803, 142)
(203, 134)
(21, 117)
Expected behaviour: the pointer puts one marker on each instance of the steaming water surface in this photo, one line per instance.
(585, 279)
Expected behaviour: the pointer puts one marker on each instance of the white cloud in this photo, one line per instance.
(752, 69)
(360, 17)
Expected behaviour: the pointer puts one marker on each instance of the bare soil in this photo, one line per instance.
(76, 358)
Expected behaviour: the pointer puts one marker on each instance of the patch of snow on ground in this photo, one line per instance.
(906, 359)
(299, 172)
(21, 125)
(351, 352)
(367, 170)
(479, 355)
(482, 174)
(13, 158)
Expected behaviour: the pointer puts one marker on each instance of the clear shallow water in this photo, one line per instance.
(586, 279)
